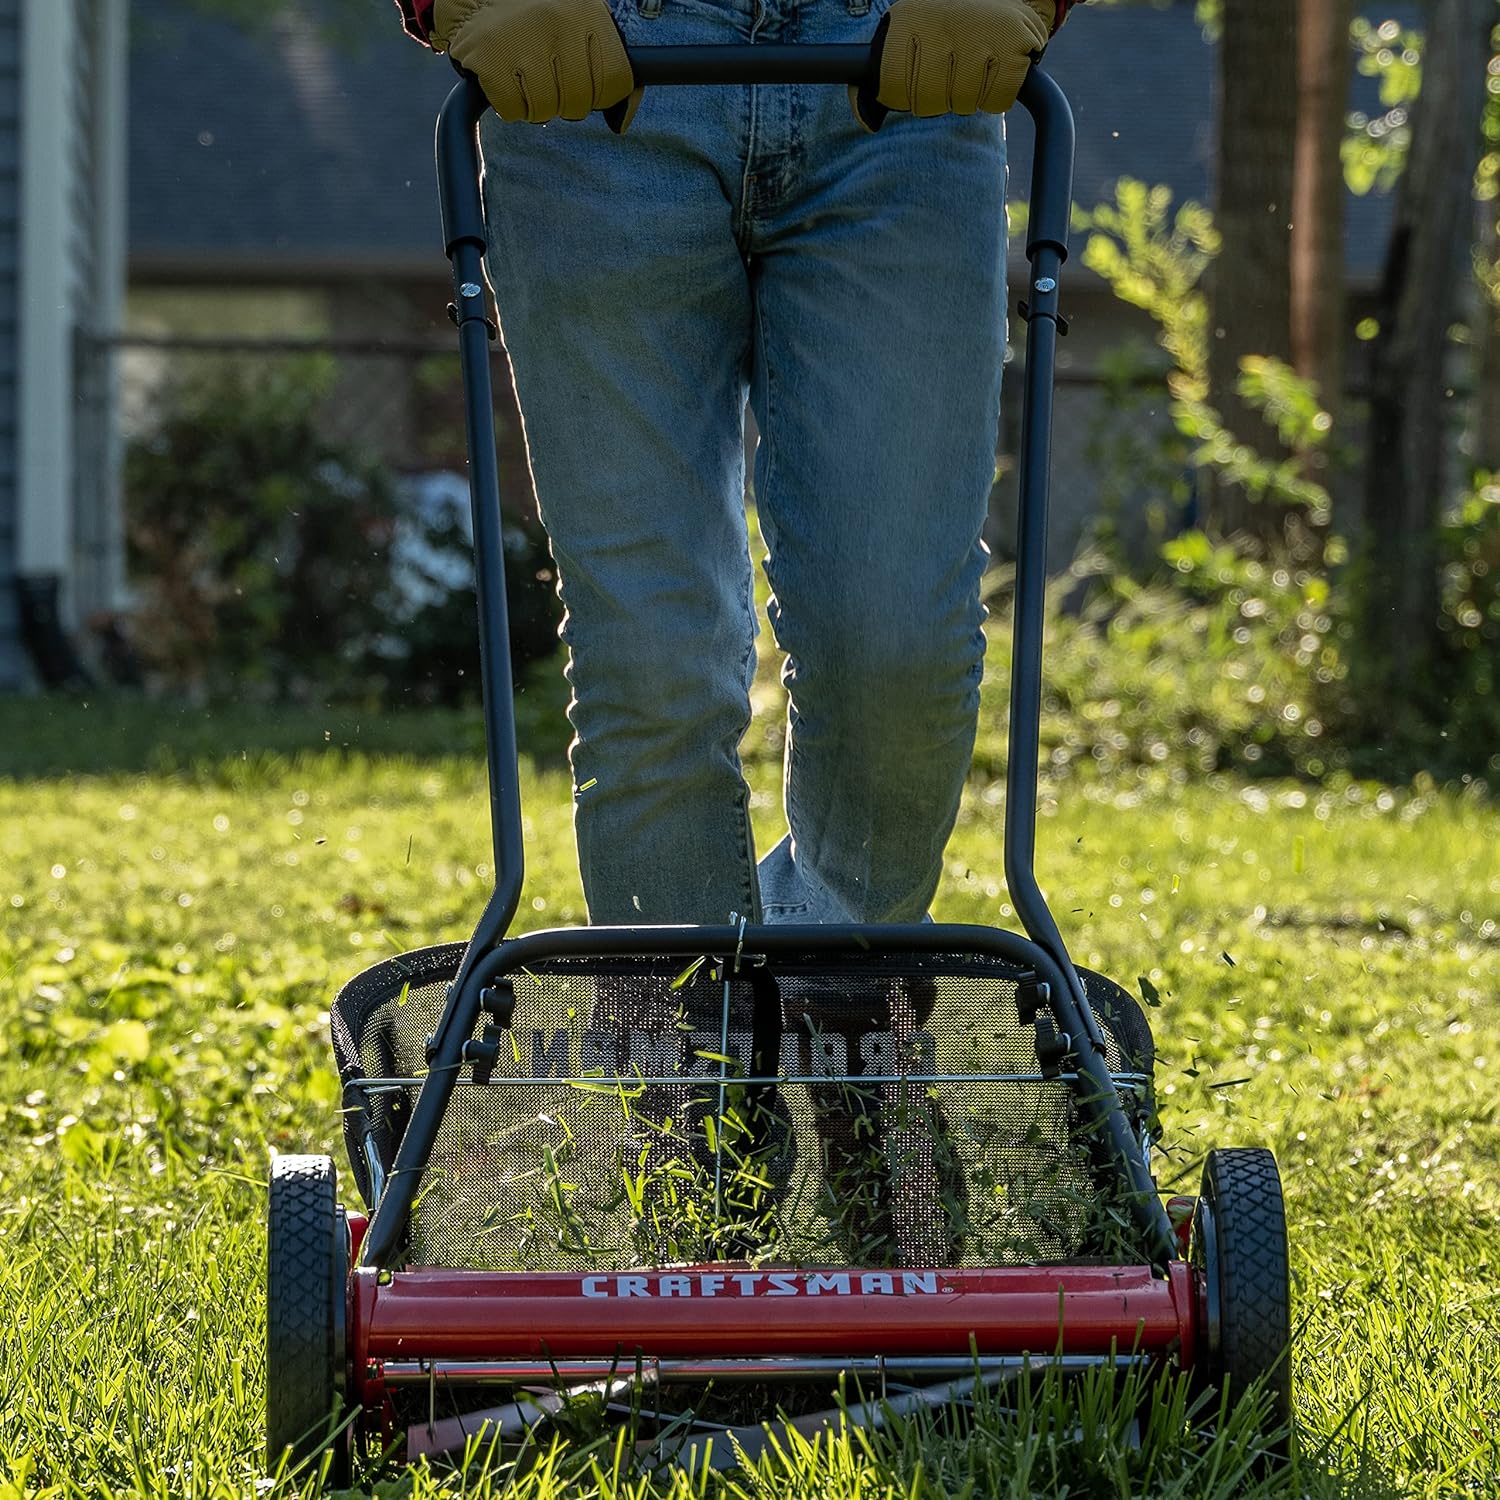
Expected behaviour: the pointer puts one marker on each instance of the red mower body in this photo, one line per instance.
(712, 1321)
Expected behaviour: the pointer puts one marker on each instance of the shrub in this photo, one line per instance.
(1231, 665)
(430, 652)
(257, 547)
(271, 561)
(1469, 550)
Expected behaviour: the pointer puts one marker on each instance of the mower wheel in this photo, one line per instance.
(1240, 1247)
(307, 1271)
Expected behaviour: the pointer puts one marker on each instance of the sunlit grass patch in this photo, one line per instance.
(1321, 969)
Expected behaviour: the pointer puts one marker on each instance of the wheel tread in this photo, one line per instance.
(300, 1389)
(1244, 1188)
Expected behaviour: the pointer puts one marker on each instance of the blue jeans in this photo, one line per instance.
(755, 242)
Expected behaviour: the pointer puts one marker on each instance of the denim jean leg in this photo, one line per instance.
(878, 277)
(625, 310)
(868, 272)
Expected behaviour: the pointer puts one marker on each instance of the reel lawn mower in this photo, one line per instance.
(634, 1161)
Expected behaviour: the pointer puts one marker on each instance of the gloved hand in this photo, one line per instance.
(953, 57)
(538, 59)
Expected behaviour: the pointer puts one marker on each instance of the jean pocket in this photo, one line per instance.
(733, 17)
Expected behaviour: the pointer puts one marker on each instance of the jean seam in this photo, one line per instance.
(747, 672)
(768, 431)
(787, 909)
(743, 227)
(747, 871)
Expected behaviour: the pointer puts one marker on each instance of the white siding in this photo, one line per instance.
(60, 516)
(10, 646)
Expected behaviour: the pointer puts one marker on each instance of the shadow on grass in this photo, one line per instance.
(1108, 1435)
(1101, 1434)
(57, 735)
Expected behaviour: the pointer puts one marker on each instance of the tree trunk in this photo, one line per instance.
(1487, 407)
(1317, 250)
(1406, 486)
(1251, 293)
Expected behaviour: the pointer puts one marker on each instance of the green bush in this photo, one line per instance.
(258, 548)
(1231, 665)
(430, 652)
(1275, 636)
(1469, 549)
(272, 562)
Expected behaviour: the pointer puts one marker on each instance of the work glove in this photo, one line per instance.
(953, 57)
(537, 59)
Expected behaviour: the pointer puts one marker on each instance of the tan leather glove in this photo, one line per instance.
(537, 59)
(954, 57)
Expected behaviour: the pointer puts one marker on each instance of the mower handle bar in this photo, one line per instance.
(1046, 249)
(458, 164)
(652, 67)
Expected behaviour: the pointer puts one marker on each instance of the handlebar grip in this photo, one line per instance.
(1041, 97)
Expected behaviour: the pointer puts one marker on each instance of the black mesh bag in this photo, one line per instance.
(883, 1111)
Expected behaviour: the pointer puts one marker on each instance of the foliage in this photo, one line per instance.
(430, 653)
(1374, 149)
(274, 562)
(1145, 483)
(1155, 259)
(1469, 548)
(1230, 664)
(1487, 192)
(1322, 958)
(258, 546)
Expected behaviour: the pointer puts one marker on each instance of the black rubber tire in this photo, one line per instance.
(307, 1268)
(1240, 1244)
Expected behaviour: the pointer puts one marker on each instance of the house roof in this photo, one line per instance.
(283, 154)
(282, 150)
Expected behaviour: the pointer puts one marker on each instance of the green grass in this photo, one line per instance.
(181, 901)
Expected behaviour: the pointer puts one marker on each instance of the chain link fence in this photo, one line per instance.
(254, 432)
(397, 400)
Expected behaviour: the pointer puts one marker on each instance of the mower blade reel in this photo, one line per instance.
(733, 1446)
(451, 1436)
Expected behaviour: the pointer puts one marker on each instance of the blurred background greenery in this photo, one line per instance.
(1276, 537)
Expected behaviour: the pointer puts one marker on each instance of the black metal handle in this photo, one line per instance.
(1046, 249)
(1040, 97)
(766, 63)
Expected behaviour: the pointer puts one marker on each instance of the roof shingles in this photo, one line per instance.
(282, 147)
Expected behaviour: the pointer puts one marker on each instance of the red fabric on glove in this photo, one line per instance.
(416, 15)
(1062, 13)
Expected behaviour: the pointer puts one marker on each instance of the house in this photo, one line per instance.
(281, 191)
(282, 185)
(62, 283)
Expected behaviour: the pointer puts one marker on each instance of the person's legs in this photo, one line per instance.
(625, 309)
(877, 273)
(878, 277)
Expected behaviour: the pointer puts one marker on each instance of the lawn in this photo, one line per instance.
(182, 898)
